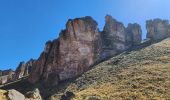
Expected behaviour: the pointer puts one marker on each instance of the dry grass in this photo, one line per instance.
(2, 95)
(146, 82)
(142, 74)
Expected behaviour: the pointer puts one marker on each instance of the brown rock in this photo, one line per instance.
(116, 38)
(15, 95)
(76, 49)
(157, 29)
(33, 95)
(7, 76)
(133, 34)
(113, 37)
(20, 70)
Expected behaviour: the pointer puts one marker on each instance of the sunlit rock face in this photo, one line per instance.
(76, 49)
(157, 29)
(80, 46)
(117, 38)
(133, 34)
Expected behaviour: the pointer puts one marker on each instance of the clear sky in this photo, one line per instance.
(25, 25)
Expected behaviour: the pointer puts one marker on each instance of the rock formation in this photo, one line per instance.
(80, 46)
(20, 70)
(157, 29)
(29, 67)
(76, 49)
(6, 76)
(116, 38)
(133, 34)
(24, 69)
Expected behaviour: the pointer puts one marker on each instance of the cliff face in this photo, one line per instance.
(117, 38)
(81, 45)
(77, 48)
(157, 29)
(24, 69)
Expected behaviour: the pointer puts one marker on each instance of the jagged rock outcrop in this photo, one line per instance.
(81, 45)
(20, 70)
(117, 38)
(29, 67)
(157, 29)
(24, 69)
(76, 49)
(6, 76)
(133, 34)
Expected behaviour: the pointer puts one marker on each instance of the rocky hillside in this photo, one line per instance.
(138, 70)
(140, 74)
(80, 46)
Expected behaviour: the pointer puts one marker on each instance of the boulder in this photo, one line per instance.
(15, 95)
(34, 95)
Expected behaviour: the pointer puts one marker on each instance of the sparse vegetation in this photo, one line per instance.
(137, 75)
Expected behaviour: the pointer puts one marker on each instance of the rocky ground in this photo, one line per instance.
(139, 75)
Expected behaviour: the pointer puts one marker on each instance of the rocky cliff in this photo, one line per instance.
(76, 49)
(81, 45)
(157, 29)
(117, 38)
(23, 70)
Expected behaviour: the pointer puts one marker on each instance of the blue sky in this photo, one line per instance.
(25, 25)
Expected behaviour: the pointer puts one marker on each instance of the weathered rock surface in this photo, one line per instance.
(157, 29)
(76, 49)
(20, 70)
(29, 67)
(15, 95)
(24, 69)
(133, 34)
(6, 76)
(116, 38)
(81, 45)
(34, 95)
